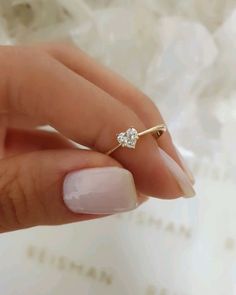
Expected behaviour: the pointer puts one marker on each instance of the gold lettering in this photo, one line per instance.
(185, 231)
(64, 263)
(77, 267)
(105, 277)
(30, 251)
(92, 273)
(61, 262)
(154, 221)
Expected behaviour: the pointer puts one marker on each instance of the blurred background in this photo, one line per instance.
(183, 55)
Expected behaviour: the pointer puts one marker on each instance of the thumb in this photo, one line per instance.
(55, 187)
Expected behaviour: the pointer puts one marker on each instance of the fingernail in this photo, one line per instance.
(105, 190)
(181, 178)
(185, 167)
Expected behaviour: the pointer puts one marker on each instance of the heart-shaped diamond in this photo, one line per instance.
(128, 138)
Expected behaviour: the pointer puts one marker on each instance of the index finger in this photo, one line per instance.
(120, 89)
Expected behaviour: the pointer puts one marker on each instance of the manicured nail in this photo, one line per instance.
(105, 190)
(181, 178)
(185, 167)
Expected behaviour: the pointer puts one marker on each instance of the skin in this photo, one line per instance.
(59, 85)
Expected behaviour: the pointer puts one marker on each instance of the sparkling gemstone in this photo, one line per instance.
(128, 138)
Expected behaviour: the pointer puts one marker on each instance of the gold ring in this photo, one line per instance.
(130, 136)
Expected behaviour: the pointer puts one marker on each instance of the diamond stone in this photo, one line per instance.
(128, 138)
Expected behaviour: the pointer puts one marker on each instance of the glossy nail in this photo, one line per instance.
(180, 177)
(185, 167)
(105, 190)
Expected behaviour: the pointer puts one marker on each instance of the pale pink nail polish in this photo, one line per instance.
(185, 167)
(179, 175)
(104, 190)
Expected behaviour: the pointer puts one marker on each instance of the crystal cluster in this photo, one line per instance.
(128, 138)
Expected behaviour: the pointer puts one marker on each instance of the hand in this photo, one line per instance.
(44, 177)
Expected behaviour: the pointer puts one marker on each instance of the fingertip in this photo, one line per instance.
(182, 180)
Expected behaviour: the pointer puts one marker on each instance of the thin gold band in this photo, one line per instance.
(157, 131)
